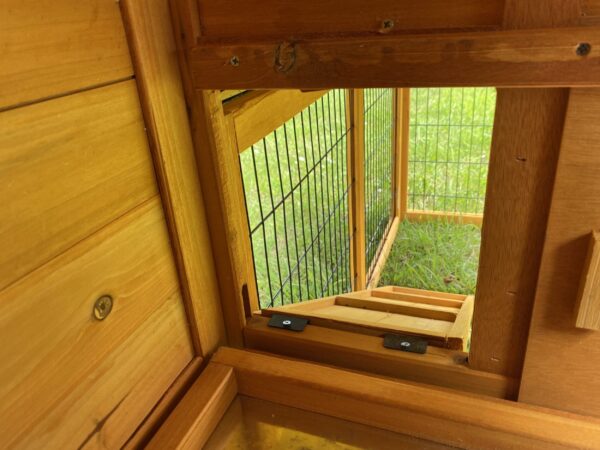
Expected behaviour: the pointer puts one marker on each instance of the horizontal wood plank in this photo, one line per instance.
(257, 114)
(192, 422)
(466, 421)
(425, 299)
(65, 372)
(398, 307)
(51, 47)
(435, 216)
(439, 367)
(289, 18)
(490, 58)
(70, 166)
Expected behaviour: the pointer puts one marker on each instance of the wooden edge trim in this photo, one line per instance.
(461, 329)
(403, 113)
(429, 216)
(165, 405)
(439, 367)
(416, 298)
(193, 420)
(388, 242)
(440, 415)
(587, 309)
(258, 113)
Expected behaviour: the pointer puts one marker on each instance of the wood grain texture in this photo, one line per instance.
(69, 166)
(466, 421)
(223, 194)
(257, 114)
(525, 146)
(534, 58)
(287, 19)
(587, 310)
(561, 364)
(438, 367)
(190, 425)
(69, 380)
(159, 80)
(50, 47)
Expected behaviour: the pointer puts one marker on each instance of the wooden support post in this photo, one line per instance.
(401, 144)
(519, 190)
(355, 114)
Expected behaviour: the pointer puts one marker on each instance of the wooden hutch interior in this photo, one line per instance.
(128, 307)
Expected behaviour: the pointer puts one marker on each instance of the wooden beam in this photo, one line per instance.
(257, 114)
(402, 144)
(356, 174)
(198, 413)
(435, 216)
(562, 361)
(158, 79)
(220, 177)
(438, 367)
(546, 57)
(588, 299)
(287, 18)
(467, 421)
(519, 189)
(387, 244)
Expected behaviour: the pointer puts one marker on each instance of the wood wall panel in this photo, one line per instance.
(70, 166)
(69, 380)
(561, 364)
(289, 18)
(50, 47)
(525, 145)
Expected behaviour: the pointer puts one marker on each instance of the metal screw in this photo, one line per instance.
(405, 344)
(102, 307)
(287, 323)
(388, 24)
(234, 61)
(583, 49)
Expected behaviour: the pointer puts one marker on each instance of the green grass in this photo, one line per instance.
(438, 256)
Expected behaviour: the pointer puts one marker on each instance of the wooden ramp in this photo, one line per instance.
(444, 319)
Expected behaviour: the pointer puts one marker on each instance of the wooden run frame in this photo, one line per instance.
(432, 414)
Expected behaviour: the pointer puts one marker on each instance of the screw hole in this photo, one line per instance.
(234, 61)
(583, 49)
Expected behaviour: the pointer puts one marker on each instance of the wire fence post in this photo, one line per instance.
(356, 179)
(401, 146)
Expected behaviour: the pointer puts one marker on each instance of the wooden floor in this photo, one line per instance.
(251, 423)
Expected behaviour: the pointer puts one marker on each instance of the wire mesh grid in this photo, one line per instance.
(296, 189)
(379, 116)
(450, 140)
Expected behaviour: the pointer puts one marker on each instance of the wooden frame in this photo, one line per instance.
(563, 58)
(467, 421)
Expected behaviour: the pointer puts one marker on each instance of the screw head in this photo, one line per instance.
(405, 344)
(102, 307)
(583, 49)
(234, 61)
(287, 323)
(387, 24)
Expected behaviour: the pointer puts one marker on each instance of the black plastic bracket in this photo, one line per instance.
(287, 322)
(405, 343)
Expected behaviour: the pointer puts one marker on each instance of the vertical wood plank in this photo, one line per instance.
(356, 173)
(158, 78)
(401, 142)
(525, 146)
(588, 300)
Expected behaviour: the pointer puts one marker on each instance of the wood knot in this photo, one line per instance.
(285, 57)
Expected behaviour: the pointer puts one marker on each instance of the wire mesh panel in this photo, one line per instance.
(296, 189)
(379, 116)
(450, 140)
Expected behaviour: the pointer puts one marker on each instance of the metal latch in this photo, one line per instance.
(287, 322)
(405, 343)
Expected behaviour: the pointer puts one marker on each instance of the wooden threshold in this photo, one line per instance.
(438, 367)
(555, 57)
(433, 414)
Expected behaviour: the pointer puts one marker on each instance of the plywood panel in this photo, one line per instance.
(50, 47)
(69, 166)
(561, 364)
(68, 380)
(289, 18)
